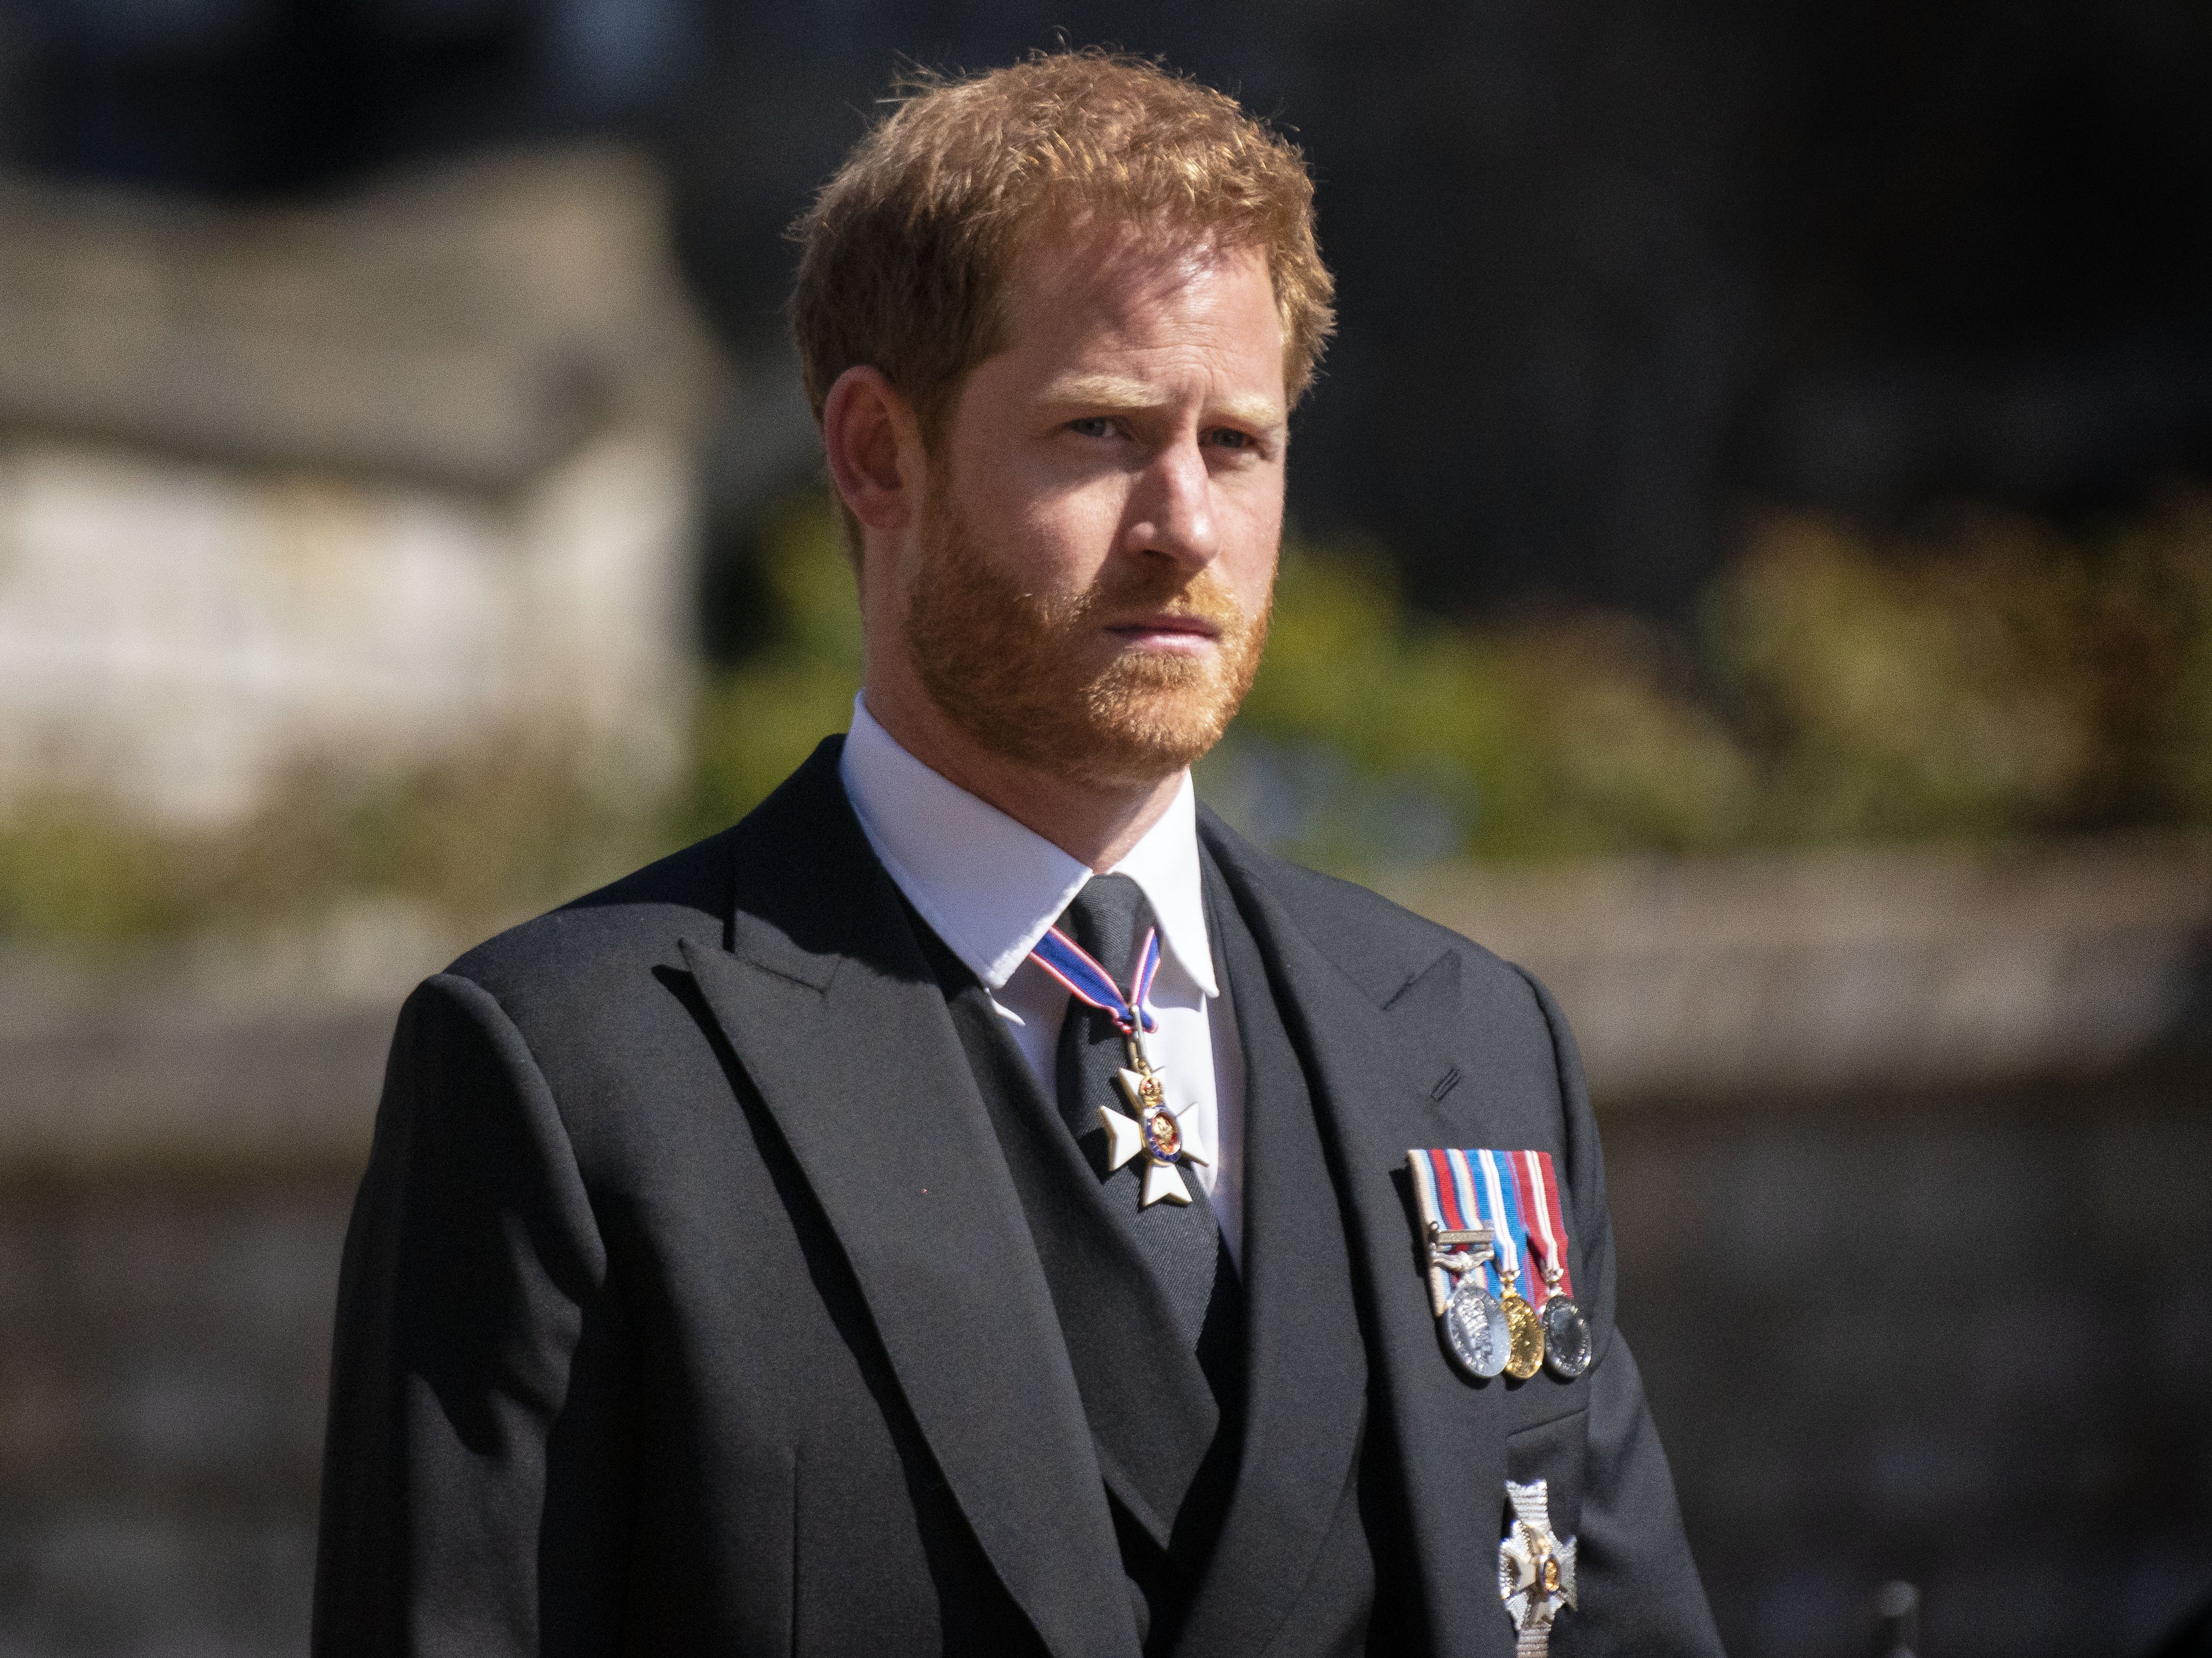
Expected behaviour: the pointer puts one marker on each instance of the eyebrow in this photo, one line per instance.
(1119, 391)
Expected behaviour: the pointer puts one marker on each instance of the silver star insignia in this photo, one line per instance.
(1535, 1570)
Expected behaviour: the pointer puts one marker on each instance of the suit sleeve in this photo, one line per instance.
(474, 1468)
(1638, 1591)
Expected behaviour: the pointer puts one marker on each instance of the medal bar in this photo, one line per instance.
(1494, 1247)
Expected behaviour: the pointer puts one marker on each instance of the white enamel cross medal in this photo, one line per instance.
(1535, 1570)
(1153, 1128)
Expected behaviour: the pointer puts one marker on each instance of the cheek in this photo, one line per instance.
(1066, 535)
(1252, 537)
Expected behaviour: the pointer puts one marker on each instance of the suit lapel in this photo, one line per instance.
(826, 999)
(1373, 1102)
(1153, 1418)
(1306, 1389)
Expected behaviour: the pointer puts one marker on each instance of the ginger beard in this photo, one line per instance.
(1013, 668)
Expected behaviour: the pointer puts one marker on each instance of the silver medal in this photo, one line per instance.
(1566, 1337)
(1475, 1327)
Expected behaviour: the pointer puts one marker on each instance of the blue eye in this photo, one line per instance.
(1091, 426)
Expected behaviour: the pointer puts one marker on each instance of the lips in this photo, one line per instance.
(1168, 626)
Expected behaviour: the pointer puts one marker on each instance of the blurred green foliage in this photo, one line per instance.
(756, 721)
(480, 837)
(1531, 741)
(1980, 676)
(1976, 677)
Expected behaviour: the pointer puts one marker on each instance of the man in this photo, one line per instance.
(965, 1207)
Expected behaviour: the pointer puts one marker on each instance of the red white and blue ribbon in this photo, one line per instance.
(1538, 1184)
(1499, 1200)
(1089, 983)
(1453, 1189)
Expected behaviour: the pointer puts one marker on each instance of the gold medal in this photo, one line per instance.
(1526, 1332)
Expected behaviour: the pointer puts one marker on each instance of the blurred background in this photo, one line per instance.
(1753, 563)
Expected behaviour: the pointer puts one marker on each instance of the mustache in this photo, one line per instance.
(1197, 596)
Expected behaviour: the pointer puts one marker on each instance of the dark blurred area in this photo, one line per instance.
(1753, 565)
(1607, 269)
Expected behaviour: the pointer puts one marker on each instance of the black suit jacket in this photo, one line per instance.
(689, 1305)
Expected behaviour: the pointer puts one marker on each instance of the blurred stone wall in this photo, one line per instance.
(368, 477)
(1906, 1155)
(180, 1138)
(1960, 1338)
(160, 1410)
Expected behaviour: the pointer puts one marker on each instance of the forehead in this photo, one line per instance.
(1104, 294)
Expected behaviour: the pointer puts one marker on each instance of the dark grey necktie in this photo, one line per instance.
(1181, 1241)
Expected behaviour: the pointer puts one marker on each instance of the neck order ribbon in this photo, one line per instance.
(1091, 984)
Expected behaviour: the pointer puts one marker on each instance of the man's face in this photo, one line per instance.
(1090, 589)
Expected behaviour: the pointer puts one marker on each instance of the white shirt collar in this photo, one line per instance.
(991, 887)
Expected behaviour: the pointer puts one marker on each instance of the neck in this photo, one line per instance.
(1096, 825)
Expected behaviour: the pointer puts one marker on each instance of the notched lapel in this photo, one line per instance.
(1432, 994)
(1374, 1080)
(1426, 1001)
(830, 1008)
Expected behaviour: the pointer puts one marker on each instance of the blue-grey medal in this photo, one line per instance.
(1475, 1328)
(1566, 1331)
(1566, 1337)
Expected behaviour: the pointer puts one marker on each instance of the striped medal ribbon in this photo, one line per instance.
(1152, 1126)
(1567, 1332)
(1498, 1196)
(1079, 970)
(1462, 1261)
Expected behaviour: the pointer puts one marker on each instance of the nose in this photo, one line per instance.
(1170, 512)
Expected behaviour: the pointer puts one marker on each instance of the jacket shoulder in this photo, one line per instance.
(635, 924)
(683, 894)
(1381, 945)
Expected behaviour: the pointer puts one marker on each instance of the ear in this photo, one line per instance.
(873, 444)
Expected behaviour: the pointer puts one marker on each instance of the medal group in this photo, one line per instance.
(1490, 1219)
